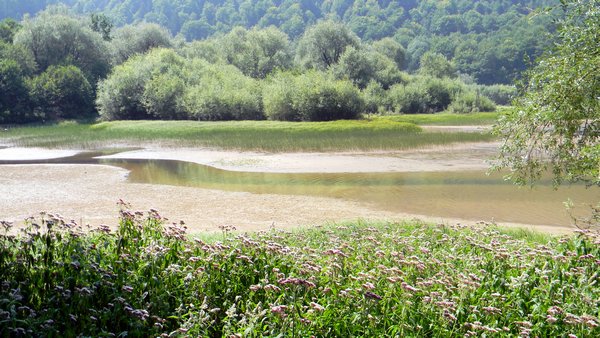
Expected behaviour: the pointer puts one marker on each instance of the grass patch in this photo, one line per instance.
(446, 119)
(352, 280)
(241, 135)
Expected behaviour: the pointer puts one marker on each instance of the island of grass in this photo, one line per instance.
(148, 278)
(394, 132)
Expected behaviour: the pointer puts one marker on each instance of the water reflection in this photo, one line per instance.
(468, 195)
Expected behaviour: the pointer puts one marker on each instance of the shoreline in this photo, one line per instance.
(457, 157)
(89, 192)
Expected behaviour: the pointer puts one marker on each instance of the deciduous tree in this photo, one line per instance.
(138, 39)
(556, 121)
(323, 44)
(59, 39)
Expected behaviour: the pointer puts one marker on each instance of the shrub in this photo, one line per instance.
(62, 92)
(471, 102)
(163, 95)
(278, 98)
(322, 98)
(376, 98)
(222, 92)
(424, 95)
(411, 98)
(14, 96)
(500, 94)
(312, 96)
(121, 95)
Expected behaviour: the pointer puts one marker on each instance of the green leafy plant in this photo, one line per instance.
(149, 278)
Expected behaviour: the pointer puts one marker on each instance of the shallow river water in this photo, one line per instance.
(466, 195)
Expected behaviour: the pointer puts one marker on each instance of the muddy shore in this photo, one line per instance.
(88, 193)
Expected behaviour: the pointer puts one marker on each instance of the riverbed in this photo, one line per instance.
(207, 188)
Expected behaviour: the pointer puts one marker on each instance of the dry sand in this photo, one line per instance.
(89, 193)
(448, 158)
(28, 154)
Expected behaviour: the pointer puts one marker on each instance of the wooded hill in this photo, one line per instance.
(488, 39)
(343, 60)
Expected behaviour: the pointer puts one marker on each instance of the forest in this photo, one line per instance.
(282, 60)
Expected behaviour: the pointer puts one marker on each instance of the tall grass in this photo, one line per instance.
(447, 119)
(242, 135)
(148, 278)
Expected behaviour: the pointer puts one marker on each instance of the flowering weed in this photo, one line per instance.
(148, 278)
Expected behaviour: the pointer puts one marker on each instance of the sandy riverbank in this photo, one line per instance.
(448, 158)
(30, 154)
(88, 193)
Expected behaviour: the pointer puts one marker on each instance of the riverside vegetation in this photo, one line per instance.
(59, 64)
(148, 278)
(378, 133)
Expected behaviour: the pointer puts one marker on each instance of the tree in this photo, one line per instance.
(121, 94)
(556, 121)
(100, 23)
(221, 92)
(55, 39)
(323, 44)
(436, 65)
(14, 97)
(20, 55)
(355, 65)
(392, 49)
(256, 52)
(196, 29)
(8, 28)
(62, 92)
(312, 96)
(138, 39)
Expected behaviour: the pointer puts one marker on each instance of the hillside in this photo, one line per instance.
(489, 40)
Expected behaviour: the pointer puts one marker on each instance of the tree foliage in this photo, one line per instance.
(14, 96)
(102, 24)
(223, 76)
(392, 49)
(222, 92)
(323, 44)
(62, 92)
(8, 28)
(121, 94)
(61, 39)
(312, 96)
(256, 52)
(556, 122)
(436, 65)
(163, 85)
(138, 39)
(488, 39)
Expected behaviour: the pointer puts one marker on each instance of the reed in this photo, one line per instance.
(272, 136)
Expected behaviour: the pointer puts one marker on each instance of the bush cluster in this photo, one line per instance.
(163, 85)
(148, 278)
(426, 94)
(312, 96)
(82, 69)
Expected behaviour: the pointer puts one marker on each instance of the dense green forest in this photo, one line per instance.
(489, 40)
(287, 60)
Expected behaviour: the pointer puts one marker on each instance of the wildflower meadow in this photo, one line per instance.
(148, 277)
